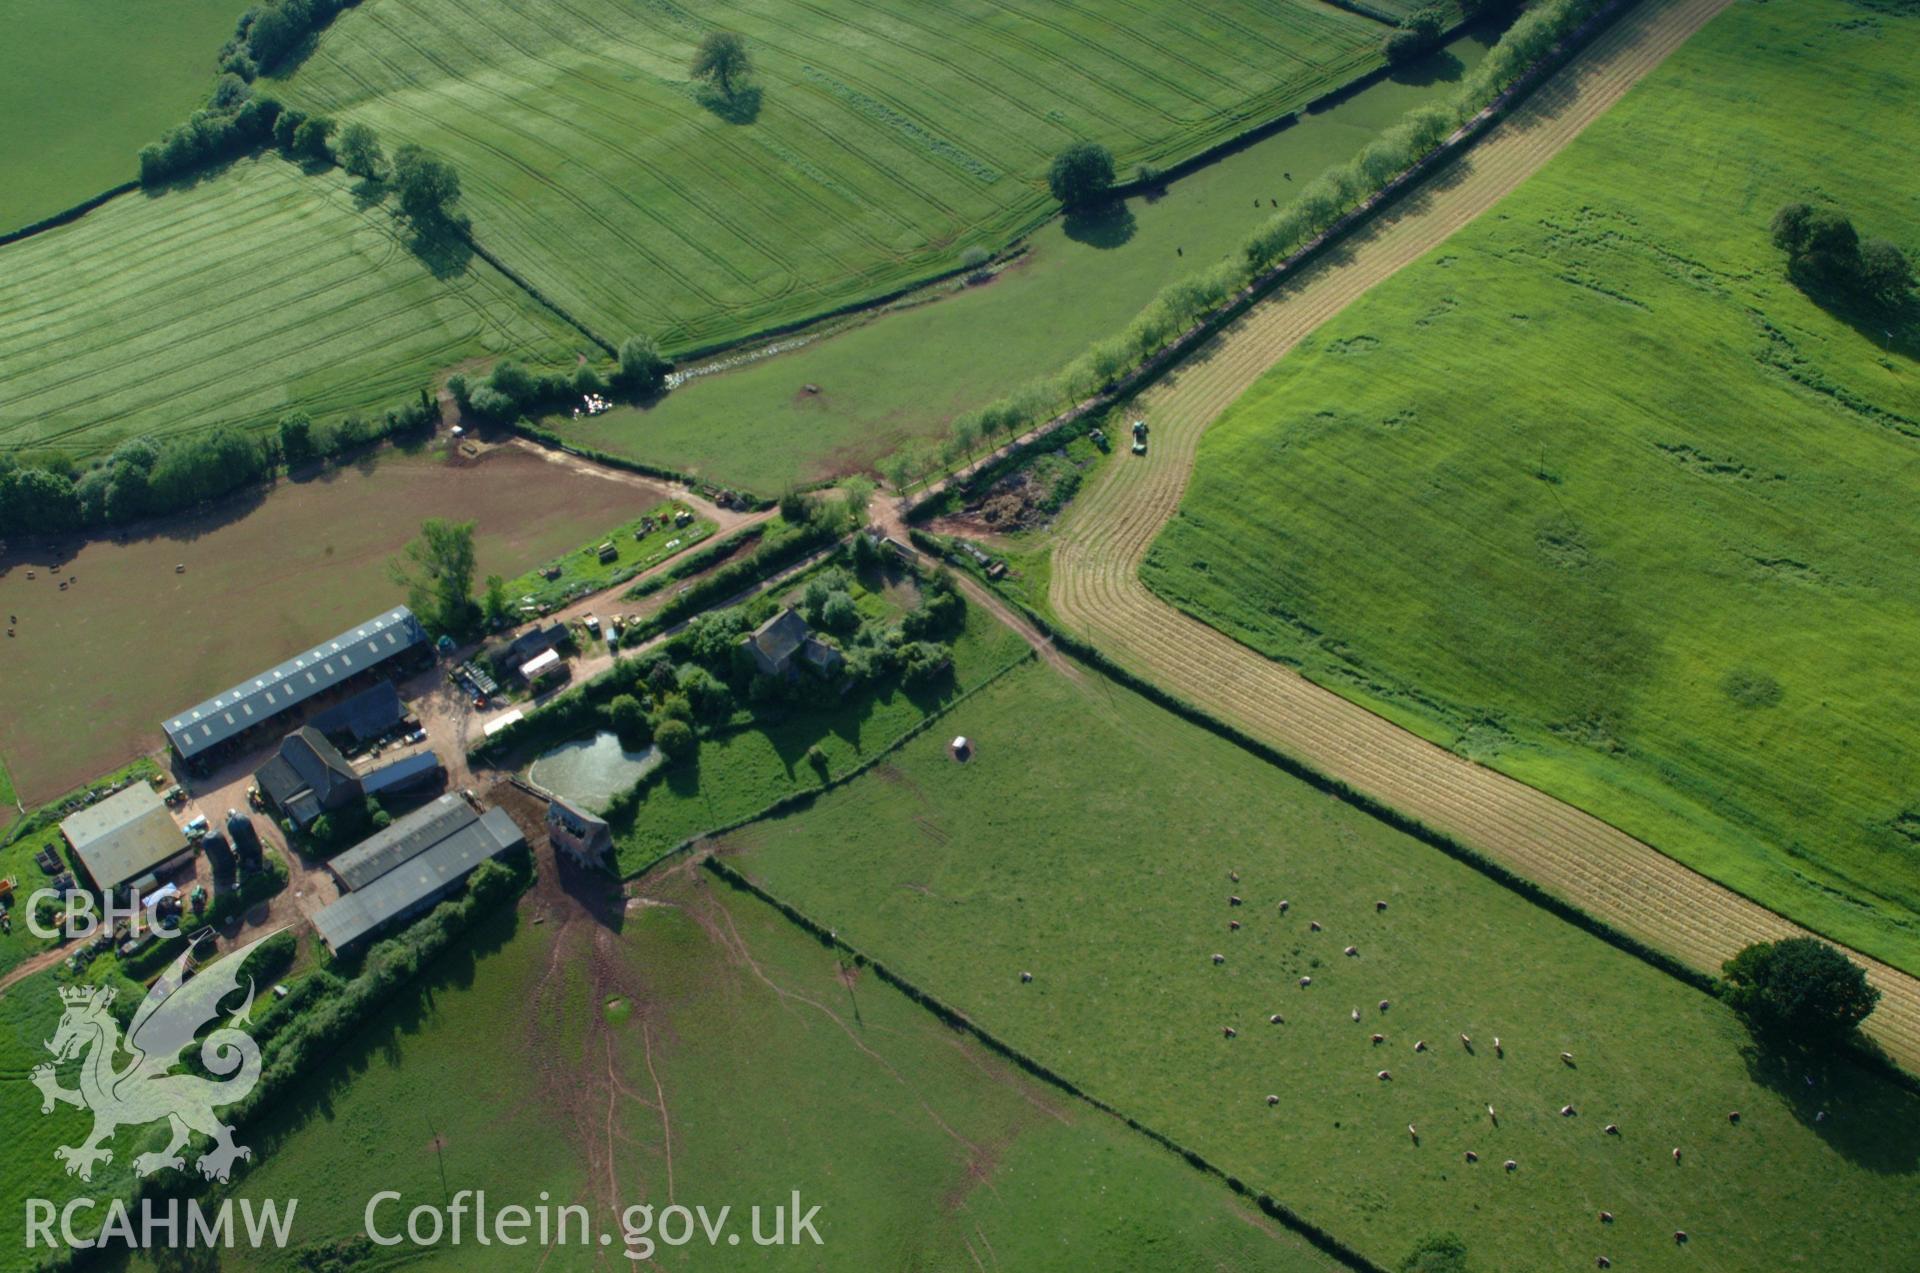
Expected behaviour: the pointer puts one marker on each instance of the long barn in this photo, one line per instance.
(213, 729)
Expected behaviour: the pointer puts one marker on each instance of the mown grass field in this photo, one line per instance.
(88, 84)
(94, 669)
(254, 292)
(879, 138)
(593, 1053)
(742, 771)
(1090, 841)
(902, 374)
(1596, 496)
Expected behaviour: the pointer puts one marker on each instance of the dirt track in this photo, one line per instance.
(1097, 590)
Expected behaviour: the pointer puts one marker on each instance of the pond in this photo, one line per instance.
(592, 771)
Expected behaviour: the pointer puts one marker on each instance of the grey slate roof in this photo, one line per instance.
(124, 836)
(368, 714)
(405, 838)
(294, 682)
(307, 776)
(400, 773)
(419, 881)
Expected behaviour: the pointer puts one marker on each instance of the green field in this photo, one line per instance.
(582, 571)
(97, 80)
(1090, 840)
(880, 137)
(594, 1059)
(255, 292)
(1596, 496)
(901, 375)
(94, 668)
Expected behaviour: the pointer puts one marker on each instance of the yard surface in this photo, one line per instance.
(1092, 839)
(1663, 568)
(591, 1048)
(97, 81)
(902, 374)
(877, 139)
(251, 293)
(94, 669)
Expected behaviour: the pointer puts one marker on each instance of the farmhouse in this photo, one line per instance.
(579, 834)
(125, 837)
(202, 735)
(777, 643)
(406, 868)
(307, 777)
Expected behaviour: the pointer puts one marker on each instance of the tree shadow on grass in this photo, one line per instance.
(1890, 327)
(1110, 225)
(742, 106)
(441, 244)
(1860, 1114)
(367, 192)
(1442, 66)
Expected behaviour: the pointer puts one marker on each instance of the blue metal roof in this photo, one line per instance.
(298, 679)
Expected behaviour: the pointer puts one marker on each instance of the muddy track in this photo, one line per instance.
(1097, 591)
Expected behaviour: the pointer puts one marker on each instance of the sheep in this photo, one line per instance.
(1734, 1117)
(1420, 1045)
(1233, 899)
(1466, 1042)
(1025, 977)
(1612, 1129)
(1606, 1217)
(1497, 1049)
(1352, 952)
(1275, 1019)
(1413, 1132)
(1356, 1014)
(1378, 907)
(1228, 1032)
(1272, 1100)
(1679, 1237)
(1305, 982)
(1602, 1262)
(1313, 925)
(1567, 1057)
(1566, 1111)
(1492, 1117)
(1233, 925)
(1676, 1153)
(1472, 1157)
(1378, 1039)
(1234, 876)
(1383, 1005)
(1511, 1165)
(1385, 1076)
(1219, 958)
(1284, 904)
(1820, 1116)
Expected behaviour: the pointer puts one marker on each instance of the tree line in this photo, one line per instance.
(1826, 253)
(47, 493)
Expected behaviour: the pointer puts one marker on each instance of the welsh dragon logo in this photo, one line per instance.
(143, 1089)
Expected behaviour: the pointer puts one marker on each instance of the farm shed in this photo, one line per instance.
(307, 777)
(530, 670)
(201, 734)
(581, 835)
(501, 721)
(368, 715)
(399, 775)
(435, 850)
(125, 837)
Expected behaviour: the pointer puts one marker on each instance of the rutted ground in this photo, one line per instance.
(1097, 590)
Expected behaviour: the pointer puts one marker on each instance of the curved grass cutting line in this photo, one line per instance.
(1097, 591)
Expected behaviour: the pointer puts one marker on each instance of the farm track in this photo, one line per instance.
(1097, 591)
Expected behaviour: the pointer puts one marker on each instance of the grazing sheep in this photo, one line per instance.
(1314, 925)
(1679, 1237)
(1272, 1099)
(1234, 876)
(1384, 1076)
(1227, 1031)
(1472, 1157)
(1734, 1117)
(1233, 925)
(1492, 1117)
(1676, 1153)
(1378, 1039)
(1356, 1014)
(1414, 1132)
(1233, 899)
(1612, 1129)
(1512, 1165)
(1383, 1005)
(1025, 977)
(1606, 1217)
(1219, 958)
(1305, 982)
(1566, 1111)
(1275, 1019)
(1820, 1117)
(1379, 906)
(1352, 951)
(1497, 1049)
(1602, 1262)
(1567, 1057)
(1420, 1045)
(1284, 904)
(1466, 1043)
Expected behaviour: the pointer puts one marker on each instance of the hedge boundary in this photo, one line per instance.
(68, 215)
(953, 1018)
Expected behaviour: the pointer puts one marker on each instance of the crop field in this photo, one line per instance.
(253, 293)
(1092, 840)
(593, 1050)
(902, 374)
(98, 80)
(741, 772)
(1670, 581)
(878, 138)
(86, 680)
(636, 548)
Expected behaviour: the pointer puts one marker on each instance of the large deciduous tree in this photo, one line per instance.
(1080, 175)
(722, 60)
(1801, 986)
(437, 571)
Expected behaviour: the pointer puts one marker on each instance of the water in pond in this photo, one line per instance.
(592, 771)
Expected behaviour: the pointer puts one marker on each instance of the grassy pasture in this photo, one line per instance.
(905, 372)
(879, 140)
(88, 84)
(1090, 841)
(233, 301)
(1596, 496)
(94, 669)
(582, 571)
(579, 1040)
